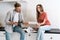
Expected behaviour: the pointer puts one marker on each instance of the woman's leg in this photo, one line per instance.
(21, 32)
(41, 31)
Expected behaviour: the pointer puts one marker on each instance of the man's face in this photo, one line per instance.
(18, 9)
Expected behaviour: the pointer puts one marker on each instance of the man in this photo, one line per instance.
(14, 19)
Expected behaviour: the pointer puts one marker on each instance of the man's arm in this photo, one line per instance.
(22, 17)
(8, 19)
(25, 23)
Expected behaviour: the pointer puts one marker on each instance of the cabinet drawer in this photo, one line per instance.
(2, 38)
(51, 36)
(2, 35)
(31, 37)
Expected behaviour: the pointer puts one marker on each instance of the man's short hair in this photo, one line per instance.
(17, 5)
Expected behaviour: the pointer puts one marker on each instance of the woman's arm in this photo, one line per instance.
(42, 22)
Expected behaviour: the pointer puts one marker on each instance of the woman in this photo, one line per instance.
(43, 22)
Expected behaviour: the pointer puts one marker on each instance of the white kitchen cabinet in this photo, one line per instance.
(49, 36)
(33, 36)
(16, 36)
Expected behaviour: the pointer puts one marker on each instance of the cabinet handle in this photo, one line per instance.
(51, 38)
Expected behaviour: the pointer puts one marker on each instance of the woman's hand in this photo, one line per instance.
(37, 25)
(26, 23)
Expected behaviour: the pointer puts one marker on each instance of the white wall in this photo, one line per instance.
(6, 6)
(51, 7)
(4, 9)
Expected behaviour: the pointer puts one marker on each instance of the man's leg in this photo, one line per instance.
(19, 30)
(8, 35)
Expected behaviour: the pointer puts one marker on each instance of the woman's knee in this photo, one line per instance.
(40, 28)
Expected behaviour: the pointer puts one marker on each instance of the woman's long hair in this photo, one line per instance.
(40, 10)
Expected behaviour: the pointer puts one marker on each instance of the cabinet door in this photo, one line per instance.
(56, 36)
(51, 36)
(31, 37)
(2, 37)
(47, 37)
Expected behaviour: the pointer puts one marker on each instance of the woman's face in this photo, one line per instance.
(39, 8)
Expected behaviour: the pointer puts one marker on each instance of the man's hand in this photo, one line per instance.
(16, 23)
(11, 23)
